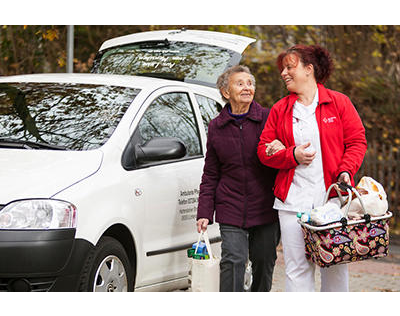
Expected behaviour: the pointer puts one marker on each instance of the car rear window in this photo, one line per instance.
(185, 61)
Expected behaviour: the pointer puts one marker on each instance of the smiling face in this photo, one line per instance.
(294, 73)
(240, 90)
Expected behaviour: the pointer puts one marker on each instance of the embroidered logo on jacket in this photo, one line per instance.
(327, 120)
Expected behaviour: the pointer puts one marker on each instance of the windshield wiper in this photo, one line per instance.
(26, 144)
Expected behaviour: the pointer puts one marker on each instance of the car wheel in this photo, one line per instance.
(107, 268)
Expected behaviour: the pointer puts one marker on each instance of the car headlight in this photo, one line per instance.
(38, 214)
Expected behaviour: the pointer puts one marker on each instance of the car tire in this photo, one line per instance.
(107, 268)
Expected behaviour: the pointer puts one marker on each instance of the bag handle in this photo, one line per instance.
(204, 234)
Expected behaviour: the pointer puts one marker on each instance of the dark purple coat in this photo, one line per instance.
(234, 183)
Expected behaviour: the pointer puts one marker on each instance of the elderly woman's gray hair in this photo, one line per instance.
(223, 80)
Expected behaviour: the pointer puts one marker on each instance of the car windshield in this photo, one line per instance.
(65, 115)
(189, 62)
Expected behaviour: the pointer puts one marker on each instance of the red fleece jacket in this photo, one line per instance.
(342, 137)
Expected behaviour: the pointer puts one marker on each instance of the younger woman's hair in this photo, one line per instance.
(316, 55)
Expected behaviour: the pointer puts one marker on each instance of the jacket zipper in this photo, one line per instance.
(245, 178)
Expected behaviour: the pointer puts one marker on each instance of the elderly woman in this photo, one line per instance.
(238, 188)
(325, 143)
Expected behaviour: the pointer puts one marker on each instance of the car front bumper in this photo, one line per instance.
(41, 260)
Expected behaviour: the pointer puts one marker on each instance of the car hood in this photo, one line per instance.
(43, 173)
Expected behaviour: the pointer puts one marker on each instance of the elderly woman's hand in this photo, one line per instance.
(202, 224)
(273, 147)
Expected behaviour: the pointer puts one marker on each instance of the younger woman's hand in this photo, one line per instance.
(303, 156)
(344, 177)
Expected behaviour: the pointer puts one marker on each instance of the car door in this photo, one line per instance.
(168, 188)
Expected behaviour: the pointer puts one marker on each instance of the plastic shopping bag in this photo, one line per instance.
(205, 273)
(328, 213)
(373, 197)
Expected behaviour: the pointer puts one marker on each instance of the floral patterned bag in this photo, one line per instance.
(347, 241)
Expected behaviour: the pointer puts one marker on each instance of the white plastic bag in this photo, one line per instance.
(328, 213)
(373, 196)
(205, 273)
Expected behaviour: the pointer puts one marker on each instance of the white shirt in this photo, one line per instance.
(308, 187)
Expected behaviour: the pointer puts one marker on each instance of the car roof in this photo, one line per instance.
(233, 42)
(101, 79)
(137, 82)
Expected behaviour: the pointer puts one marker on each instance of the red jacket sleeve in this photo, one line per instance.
(283, 159)
(353, 137)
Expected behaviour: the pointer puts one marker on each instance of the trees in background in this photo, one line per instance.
(367, 59)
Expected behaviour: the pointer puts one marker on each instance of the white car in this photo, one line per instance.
(100, 173)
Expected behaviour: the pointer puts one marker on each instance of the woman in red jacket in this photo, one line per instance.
(325, 143)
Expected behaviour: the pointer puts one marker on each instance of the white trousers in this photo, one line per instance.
(300, 273)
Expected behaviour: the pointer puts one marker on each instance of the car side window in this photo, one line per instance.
(171, 115)
(209, 109)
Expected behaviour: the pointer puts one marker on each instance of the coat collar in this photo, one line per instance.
(323, 95)
(255, 114)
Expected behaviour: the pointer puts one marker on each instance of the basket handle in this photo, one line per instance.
(346, 187)
(367, 217)
(343, 186)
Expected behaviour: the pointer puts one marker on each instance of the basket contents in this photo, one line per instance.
(372, 195)
(329, 213)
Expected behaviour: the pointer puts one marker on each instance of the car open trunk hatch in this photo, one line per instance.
(186, 55)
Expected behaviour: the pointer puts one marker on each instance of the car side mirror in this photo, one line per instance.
(160, 148)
